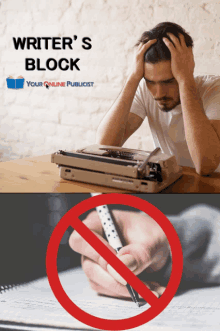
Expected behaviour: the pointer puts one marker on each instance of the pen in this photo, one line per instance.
(108, 224)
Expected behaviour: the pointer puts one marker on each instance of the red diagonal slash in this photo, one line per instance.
(112, 259)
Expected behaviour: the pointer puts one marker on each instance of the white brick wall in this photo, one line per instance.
(35, 121)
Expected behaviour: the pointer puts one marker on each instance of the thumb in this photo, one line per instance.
(136, 257)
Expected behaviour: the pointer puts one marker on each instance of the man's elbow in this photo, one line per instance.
(101, 139)
(206, 166)
(204, 172)
(108, 139)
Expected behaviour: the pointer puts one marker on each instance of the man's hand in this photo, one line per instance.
(182, 60)
(119, 124)
(137, 70)
(145, 250)
(202, 139)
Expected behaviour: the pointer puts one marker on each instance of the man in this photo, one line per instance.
(183, 111)
(147, 254)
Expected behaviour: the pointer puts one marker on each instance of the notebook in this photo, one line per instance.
(33, 307)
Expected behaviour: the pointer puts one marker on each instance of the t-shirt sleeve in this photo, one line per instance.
(138, 106)
(211, 97)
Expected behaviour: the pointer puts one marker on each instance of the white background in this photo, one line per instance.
(36, 121)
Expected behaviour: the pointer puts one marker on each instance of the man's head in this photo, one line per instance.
(158, 74)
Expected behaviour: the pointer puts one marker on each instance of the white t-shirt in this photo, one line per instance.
(167, 128)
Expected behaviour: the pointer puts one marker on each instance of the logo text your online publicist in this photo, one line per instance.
(57, 84)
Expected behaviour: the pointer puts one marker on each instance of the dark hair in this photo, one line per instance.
(159, 51)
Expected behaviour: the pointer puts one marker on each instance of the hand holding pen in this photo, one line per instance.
(146, 250)
(111, 233)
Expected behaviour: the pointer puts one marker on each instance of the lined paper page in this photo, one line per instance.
(35, 303)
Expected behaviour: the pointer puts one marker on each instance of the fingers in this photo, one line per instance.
(137, 257)
(81, 246)
(98, 275)
(78, 244)
(129, 261)
(175, 40)
(160, 290)
(176, 43)
(156, 288)
(182, 40)
(102, 282)
(169, 44)
(142, 237)
(143, 47)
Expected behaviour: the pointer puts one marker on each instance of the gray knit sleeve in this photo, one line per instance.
(198, 229)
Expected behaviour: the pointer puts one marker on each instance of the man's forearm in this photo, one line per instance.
(112, 128)
(202, 140)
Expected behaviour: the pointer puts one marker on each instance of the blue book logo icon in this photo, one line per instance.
(15, 84)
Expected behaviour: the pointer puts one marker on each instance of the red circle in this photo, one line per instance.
(71, 217)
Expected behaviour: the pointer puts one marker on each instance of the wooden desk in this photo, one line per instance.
(38, 174)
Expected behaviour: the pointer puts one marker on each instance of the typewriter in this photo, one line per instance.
(123, 168)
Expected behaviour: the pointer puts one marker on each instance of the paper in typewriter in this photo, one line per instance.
(35, 305)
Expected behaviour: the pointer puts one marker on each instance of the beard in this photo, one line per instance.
(168, 105)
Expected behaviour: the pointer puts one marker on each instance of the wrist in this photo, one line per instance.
(186, 81)
(135, 78)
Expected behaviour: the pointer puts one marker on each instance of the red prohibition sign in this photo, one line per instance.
(71, 219)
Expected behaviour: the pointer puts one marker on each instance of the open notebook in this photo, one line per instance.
(33, 307)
